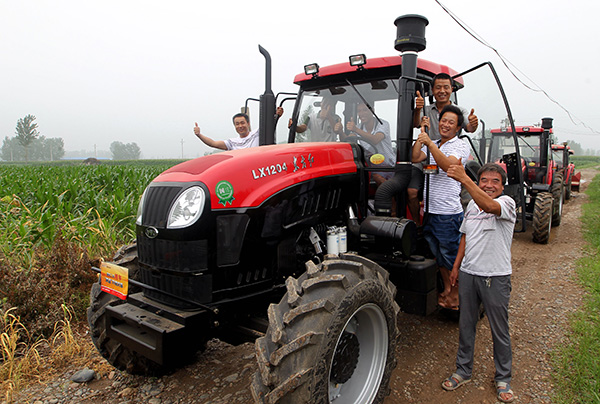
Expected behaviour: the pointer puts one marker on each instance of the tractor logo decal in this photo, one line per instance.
(224, 191)
(303, 160)
(151, 232)
(273, 169)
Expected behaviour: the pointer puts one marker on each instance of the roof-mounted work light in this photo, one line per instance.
(311, 69)
(358, 60)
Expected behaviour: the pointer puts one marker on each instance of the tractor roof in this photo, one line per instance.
(562, 147)
(385, 63)
(521, 130)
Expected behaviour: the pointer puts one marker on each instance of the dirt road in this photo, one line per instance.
(544, 294)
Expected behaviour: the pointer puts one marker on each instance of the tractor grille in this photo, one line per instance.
(189, 287)
(178, 256)
(157, 204)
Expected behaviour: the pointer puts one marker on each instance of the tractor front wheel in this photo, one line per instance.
(558, 193)
(113, 351)
(542, 217)
(332, 337)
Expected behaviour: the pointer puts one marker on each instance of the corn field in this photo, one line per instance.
(92, 206)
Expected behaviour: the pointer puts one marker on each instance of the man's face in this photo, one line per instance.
(325, 109)
(363, 112)
(442, 88)
(241, 126)
(491, 183)
(448, 125)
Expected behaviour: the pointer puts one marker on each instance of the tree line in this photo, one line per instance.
(29, 145)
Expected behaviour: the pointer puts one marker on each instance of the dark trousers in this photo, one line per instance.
(494, 293)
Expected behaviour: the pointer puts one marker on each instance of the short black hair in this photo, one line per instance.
(494, 168)
(455, 110)
(442, 76)
(241, 115)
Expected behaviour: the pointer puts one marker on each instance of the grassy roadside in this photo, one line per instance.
(577, 362)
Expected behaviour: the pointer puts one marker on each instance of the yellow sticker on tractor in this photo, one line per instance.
(114, 279)
(377, 158)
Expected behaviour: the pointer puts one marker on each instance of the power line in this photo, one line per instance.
(506, 63)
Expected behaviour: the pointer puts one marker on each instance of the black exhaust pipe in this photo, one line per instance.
(410, 39)
(266, 130)
(546, 125)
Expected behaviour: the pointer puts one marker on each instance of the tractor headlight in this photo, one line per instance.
(187, 208)
(140, 210)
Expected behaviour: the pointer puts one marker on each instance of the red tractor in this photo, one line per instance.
(289, 245)
(562, 157)
(535, 183)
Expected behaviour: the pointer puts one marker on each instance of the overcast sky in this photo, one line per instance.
(94, 72)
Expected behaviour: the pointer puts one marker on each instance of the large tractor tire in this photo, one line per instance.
(568, 188)
(542, 217)
(113, 351)
(558, 193)
(332, 338)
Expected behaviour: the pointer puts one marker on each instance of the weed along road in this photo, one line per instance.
(544, 294)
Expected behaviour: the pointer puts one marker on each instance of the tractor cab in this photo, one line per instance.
(563, 165)
(525, 153)
(534, 162)
(339, 102)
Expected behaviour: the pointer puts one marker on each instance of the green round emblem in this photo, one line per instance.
(224, 191)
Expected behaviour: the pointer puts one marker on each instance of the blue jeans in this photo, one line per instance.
(443, 235)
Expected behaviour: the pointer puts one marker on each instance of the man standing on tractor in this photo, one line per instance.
(442, 87)
(484, 261)
(245, 139)
(445, 212)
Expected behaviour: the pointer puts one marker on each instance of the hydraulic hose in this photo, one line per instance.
(392, 187)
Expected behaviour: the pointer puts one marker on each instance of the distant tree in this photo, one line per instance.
(505, 123)
(10, 149)
(27, 132)
(576, 147)
(128, 151)
(55, 147)
(41, 149)
(47, 149)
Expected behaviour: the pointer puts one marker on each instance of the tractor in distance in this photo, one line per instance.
(537, 186)
(289, 244)
(562, 156)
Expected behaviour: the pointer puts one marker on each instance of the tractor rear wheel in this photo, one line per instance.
(568, 189)
(558, 193)
(332, 338)
(113, 351)
(542, 217)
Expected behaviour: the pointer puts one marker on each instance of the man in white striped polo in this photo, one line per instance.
(445, 211)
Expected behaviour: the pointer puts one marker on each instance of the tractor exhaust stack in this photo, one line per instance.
(410, 39)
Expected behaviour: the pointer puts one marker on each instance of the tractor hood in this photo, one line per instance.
(246, 178)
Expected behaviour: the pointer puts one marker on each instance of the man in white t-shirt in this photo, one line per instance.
(483, 270)
(246, 138)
